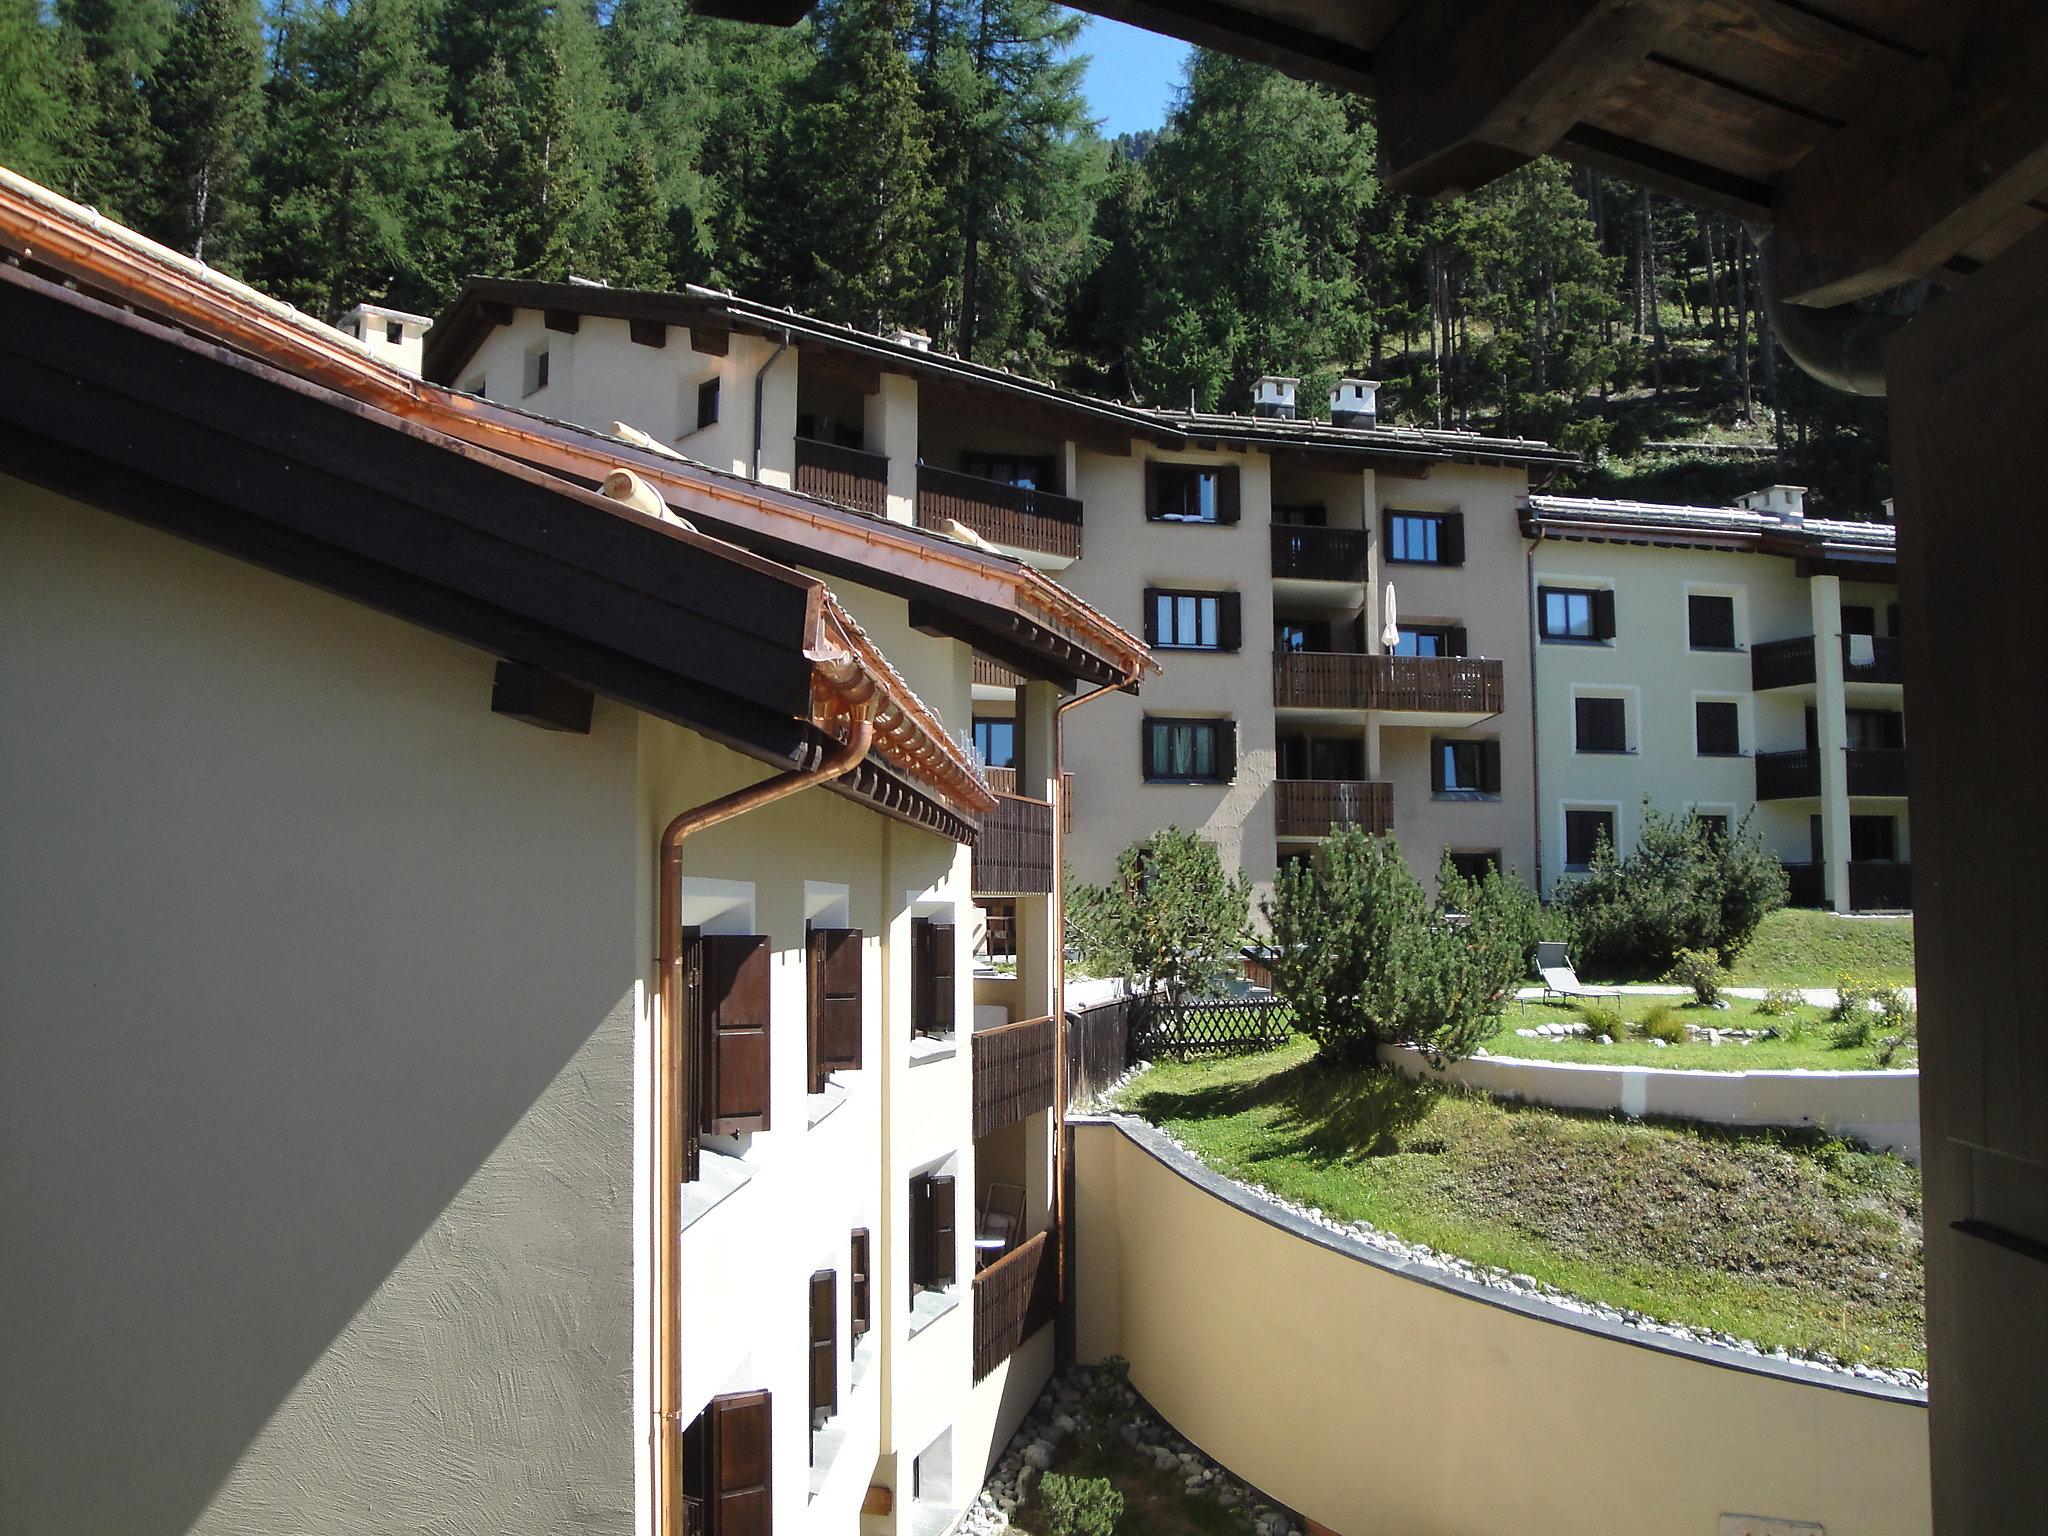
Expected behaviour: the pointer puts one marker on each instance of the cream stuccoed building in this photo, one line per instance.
(1733, 661)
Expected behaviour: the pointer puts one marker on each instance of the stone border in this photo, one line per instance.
(1469, 1282)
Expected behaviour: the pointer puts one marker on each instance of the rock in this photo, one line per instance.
(1524, 1282)
(1038, 1454)
(1603, 1039)
(1660, 1044)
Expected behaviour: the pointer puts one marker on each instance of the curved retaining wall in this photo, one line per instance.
(1377, 1397)
(1879, 1109)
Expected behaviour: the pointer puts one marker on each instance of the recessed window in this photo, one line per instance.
(1859, 619)
(1469, 767)
(1192, 493)
(1426, 538)
(394, 332)
(1575, 613)
(1874, 729)
(1717, 728)
(1430, 640)
(707, 404)
(536, 370)
(1192, 621)
(1320, 757)
(1873, 839)
(1190, 751)
(1710, 621)
(1713, 823)
(995, 739)
(1583, 832)
(1475, 864)
(1007, 469)
(1602, 724)
(931, 978)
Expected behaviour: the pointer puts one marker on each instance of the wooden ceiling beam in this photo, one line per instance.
(1471, 89)
(1951, 153)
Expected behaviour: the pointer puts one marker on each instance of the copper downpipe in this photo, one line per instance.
(669, 1098)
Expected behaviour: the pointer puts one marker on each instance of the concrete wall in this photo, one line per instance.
(1374, 1400)
(1879, 1109)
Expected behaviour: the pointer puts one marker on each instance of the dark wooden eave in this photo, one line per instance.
(122, 413)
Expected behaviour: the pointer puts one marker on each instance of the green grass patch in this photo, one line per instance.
(1156, 1503)
(1798, 947)
(1790, 1239)
(1810, 1047)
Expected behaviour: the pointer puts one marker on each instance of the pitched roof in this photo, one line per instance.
(1597, 520)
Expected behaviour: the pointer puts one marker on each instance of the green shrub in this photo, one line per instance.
(1364, 958)
(1853, 1002)
(1896, 1027)
(1602, 1018)
(1701, 971)
(1686, 886)
(1665, 1023)
(1079, 1506)
(1169, 919)
(1781, 1003)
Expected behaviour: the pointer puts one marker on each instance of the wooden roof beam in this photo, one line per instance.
(1956, 148)
(1471, 89)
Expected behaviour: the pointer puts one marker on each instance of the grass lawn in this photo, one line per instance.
(1785, 1238)
(1795, 947)
(1813, 1051)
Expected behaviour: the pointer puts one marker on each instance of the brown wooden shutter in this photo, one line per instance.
(920, 1231)
(1152, 488)
(734, 993)
(860, 1288)
(1436, 764)
(835, 1002)
(1450, 539)
(1226, 494)
(1456, 642)
(824, 1346)
(1230, 621)
(1151, 615)
(1603, 613)
(1226, 751)
(741, 1497)
(1489, 767)
(939, 1230)
(941, 972)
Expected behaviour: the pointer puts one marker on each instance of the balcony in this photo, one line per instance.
(845, 475)
(1014, 516)
(1013, 1073)
(1879, 771)
(1319, 554)
(1880, 887)
(1451, 690)
(1790, 663)
(1013, 1298)
(1013, 855)
(1808, 885)
(1887, 662)
(1004, 782)
(1313, 807)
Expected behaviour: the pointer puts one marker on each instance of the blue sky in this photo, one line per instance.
(1132, 75)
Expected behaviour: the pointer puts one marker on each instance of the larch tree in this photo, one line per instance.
(206, 108)
(35, 104)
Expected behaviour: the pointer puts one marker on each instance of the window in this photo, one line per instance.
(1321, 757)
(1464, 767)
(1430, 640)
(1873, 839)
(1302, 515)
(1193, 621)
(1575, 613)
(1859, 619)
(1191, 493)
(536, 378)
(1426, 538)
(995, 738)
(1713, 823)
(1602, 724)
(1710, 621)
(824, 1347)
(1583, 831)
(1873, 728)
(725, 979)
(931, 977)
(1291, 635)
(931, 1232)
(1007, 469)
(1717, 728)
(832, 957)
(394, 332)
(707, 404)
(1474, 865)
(1190, 751)
(860, 1282)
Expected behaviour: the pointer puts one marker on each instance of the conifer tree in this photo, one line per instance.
(656, 53)
(117, 43)
(205, 109)
(35, 108)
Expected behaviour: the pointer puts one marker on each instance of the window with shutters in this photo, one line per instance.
(1601, 722)
(931, 978)
(1464, 768)
(1192, 621)
(1710, 621)
(932, 1232)
(1585, 830)
(1190, 751)
(1584, 614)
(824, 1346)
(1191, 493)
(860, 1289)
(726, 985)
(1717, 728)
(833, 966)
(728, 1467)
(1426, 538)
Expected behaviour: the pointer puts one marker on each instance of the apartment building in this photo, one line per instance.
(485, 981)
(1257, 553)
(1734, 661)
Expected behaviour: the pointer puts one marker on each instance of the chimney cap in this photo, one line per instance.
(1786, 502)
(410, 321)
(904, 336)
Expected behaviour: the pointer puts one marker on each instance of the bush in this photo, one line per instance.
(1853, 1001)
(1781, 1003)
(1685, 887)
(1364, 958)
(1665, 1023)
(1169, 920)
(1699, 970)
(1897, 1025)
(1601, 1018)
(1079, 1506)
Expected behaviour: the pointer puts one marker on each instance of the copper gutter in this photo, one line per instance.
(671, 1094)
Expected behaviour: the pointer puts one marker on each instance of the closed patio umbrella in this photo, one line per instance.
(1390, 632)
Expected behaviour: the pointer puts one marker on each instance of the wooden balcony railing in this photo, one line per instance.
(1452, 685)
(1809, 887)
(1013, 855)
(1787, 775)
(1312, 807)
(1781, 663)
(1876, 887)
(1004, 782)
(1319, 554)
(995, 674)
(1887, 662)
(1013, 1298)
(1012, 515)
(1877, 770)
(1013, 1073)
(845, 475)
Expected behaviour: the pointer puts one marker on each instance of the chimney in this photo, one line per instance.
(903, 336)
(1355, 403)
(1273, 395)
(1891, 514)
(1787, 503)
(389, 335)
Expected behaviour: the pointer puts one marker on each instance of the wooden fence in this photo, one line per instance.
(1013, 1073)
(1013, 855)
(1210, 1026)
(1098, 1047)
(845, 475)
(1013, 515)
(1013, 1298)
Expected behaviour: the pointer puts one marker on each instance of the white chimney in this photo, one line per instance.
(391, 335)
(1355, 403)
(1891, 514)
(1273, 395)
(1787, 503)
(917, 341)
